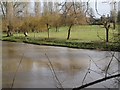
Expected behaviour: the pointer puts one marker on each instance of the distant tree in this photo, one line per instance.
(50, 7)
(47, 19)
(45, 8)
(3, 5)
(56, 7)
(91, 15)
(9, 17)
(13, 12)
(106, 24)
(113, 13)
(56, 22)
(72, 14)
(25, 9)
(19, 8)
(37, 8)
(118, 17)
(118, 21)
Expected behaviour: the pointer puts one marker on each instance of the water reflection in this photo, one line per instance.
(70, 65)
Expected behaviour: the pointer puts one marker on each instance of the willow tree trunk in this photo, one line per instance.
(9, 17)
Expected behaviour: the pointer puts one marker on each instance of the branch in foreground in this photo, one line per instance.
(54, 72)
(16, 71)
(97, 81)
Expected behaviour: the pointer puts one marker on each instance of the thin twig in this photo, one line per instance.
(88, 71)
(94, 62)
(115, 57)
(95, 71)
(109, 65)
(52, 74)
(52, 68)
(16, 71)
(97, 81)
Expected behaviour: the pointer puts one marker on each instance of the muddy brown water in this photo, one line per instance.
(70, 66)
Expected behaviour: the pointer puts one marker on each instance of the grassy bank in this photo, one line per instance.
(78, 33)
(83, 37)
(65, 43)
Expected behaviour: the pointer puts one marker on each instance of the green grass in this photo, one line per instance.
(84, 37)
(78, 33)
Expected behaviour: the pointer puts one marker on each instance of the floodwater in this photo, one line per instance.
(37, 66)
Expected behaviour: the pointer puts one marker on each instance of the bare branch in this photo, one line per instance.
(97, 81)
(88, 71)
(2, 8)
(52, 68)
(109, 65)
(17, 71)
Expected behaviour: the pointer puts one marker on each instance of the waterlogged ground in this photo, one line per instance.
(70, 66)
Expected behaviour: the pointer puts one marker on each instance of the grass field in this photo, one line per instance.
(81, 37)
(78, 33)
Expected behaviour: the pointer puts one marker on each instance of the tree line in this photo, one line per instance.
(17, 17)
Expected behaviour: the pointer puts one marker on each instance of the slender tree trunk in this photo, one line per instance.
(107, 26)
(56, 7)
(107, 35)
(114, 25)
(45, 8)
(26, 14)
(50, 7)
(2, 8)
(118, 19)
(56, 29)
(9, 17)
(69, 30)
(48, 30)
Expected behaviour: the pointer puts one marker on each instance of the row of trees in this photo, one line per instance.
(17, 16)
